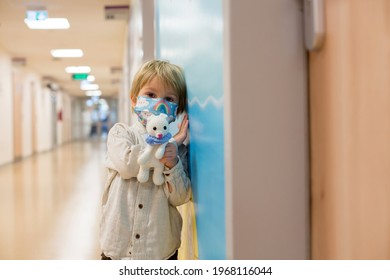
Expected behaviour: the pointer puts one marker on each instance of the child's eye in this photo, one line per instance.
(151, 95)
(170, 99)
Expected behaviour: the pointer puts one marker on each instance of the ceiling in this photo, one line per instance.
(102, 41)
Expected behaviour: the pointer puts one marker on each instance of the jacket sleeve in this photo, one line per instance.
(122, 151)
(178, 179)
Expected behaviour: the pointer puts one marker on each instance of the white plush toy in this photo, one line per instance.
(158, 138)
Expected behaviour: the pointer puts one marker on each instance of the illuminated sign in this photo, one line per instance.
(80, 76)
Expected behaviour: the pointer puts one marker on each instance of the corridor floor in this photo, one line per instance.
(50, 204)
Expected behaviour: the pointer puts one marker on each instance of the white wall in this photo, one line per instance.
(32, 87)
(29, 80)
(6, 105)
(123, 95)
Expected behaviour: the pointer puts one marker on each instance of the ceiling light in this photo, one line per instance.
(93, 93)
(49, 23)
(77, 69)
(89, 87)
(67, 53)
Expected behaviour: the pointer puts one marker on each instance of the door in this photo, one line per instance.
(18, 115)
(34, 118)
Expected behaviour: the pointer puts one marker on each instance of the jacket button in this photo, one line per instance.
(137, 236)
(140, 206)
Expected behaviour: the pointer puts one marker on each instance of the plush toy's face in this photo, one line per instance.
(157, 126)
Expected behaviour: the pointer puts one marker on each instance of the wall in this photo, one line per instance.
(36, 112)
(189, 33)
(31, 110)
(350, 132)
(35, 95)
(6, 104)
(266, 123)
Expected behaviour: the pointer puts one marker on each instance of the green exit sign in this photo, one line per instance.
(81, 76)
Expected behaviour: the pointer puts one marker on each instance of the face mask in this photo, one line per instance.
(146, 106)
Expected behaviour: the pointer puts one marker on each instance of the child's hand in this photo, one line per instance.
(170, 156)
(183, 129)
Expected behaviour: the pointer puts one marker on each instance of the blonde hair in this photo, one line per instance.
(170, 74)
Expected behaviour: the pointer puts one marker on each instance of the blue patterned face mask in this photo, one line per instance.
(146, 106)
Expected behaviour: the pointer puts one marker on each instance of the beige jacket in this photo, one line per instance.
(140, 221)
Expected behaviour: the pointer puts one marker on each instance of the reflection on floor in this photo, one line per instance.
(50, 204)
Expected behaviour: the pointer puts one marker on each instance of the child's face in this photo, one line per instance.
(157, 89)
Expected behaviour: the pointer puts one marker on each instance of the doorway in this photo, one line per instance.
(17, 114)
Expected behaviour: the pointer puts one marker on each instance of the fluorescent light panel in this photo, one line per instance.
(93, 93)
(77, 69)
(89, 87)
(49, 23)
(67, 53)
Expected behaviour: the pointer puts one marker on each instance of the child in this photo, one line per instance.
(140, 220)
